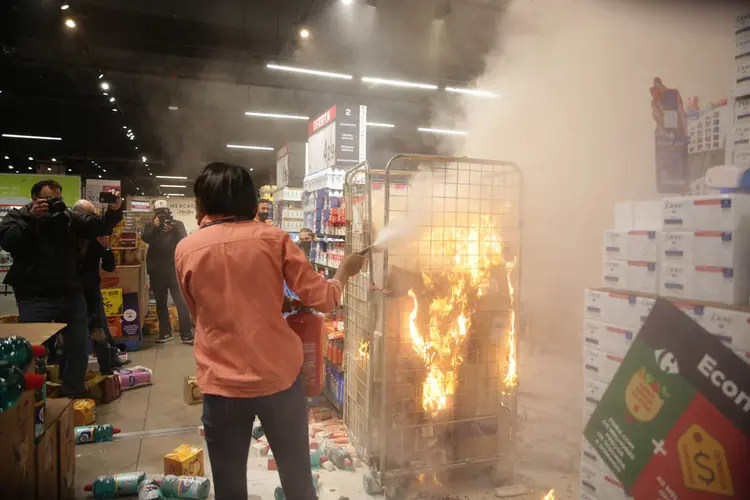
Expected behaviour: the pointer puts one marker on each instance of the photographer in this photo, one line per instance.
(42, 238)
(162, 237)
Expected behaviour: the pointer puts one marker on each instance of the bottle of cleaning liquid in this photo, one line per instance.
(18, 351)
(258, 431)
(194, 488)
(149, 490)
(13, 382)
(94, 433)
(40, 395)
(317, 457)
(119, 485)
(340, 458)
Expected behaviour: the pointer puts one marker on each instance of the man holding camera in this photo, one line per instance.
(162, 237)
(42, 238)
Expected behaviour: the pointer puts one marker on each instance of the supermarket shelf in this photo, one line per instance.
(332, 400)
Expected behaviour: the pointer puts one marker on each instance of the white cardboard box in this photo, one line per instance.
(731, 326)
(599, 365)
(696, 312)
(707, 248)
(598, 305)
(615, 244)
(677, 213)
(643, 245)
(624, 216)
(676, 247)
(705, 283)
(601, 482)
(647, 216)
(642, 277)
(722, 212)
(614, 274)
(617, 308)
(606, 337)
(588, 410)
(593, 391)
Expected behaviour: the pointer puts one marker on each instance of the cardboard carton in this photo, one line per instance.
(17, 468)
(48, 459)
(104, 388)
(185, 460)
(35, 333)
(614, 274)
(615, 244)
(643, 245)
(599, 365)
(705, 283)
(593, 390)
(642, 277)
(713, 212)
(67, 451)
(131, 317)
(131, 279)
(608, 338)
(730, 325)
(707, 248)
(601, 482)
(84, 412)
(191, 392)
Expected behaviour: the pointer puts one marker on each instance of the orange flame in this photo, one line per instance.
(364, 349)
(550, 495)
(476, 250)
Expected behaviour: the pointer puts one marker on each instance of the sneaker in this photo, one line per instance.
(120, 364)
(188, 340)
(164, 337)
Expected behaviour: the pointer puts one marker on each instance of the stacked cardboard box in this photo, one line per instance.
(738, 143)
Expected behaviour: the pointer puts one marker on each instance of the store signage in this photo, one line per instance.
(15, 189)
(140, 206)
(183, 209)
(675, 420)
(337, 137)
(96, 186)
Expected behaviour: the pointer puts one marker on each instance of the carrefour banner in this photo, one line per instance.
(674, 422)
(15, 189)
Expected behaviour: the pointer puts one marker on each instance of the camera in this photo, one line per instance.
(107, 197)
(55, 205)
(165, 218)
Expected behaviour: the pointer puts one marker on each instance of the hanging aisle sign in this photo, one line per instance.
(337, 138)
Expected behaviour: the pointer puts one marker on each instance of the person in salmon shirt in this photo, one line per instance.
(248, 360)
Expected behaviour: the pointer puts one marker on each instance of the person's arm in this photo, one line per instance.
(15, 234)
(149, 233)
(90, 225)
(313, 289)
(184, 276)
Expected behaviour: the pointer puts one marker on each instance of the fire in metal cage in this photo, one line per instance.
(431, 354)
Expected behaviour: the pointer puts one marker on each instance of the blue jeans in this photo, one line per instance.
(70, 310)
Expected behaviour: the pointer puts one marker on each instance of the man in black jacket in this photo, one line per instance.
(162, 237)
(42, 238)
(95, 253)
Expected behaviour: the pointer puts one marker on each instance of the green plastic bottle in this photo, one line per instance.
(119, 485)
(94, 433)
(13, 382)
(194, 488)
(15, 351)
(149, 490)
(317, 457)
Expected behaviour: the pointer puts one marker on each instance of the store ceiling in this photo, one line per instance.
(208, 60)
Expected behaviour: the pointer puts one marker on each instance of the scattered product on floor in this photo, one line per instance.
(95, 433)
(278, 493)
(133, 377)
(118, 485)
(190, 487)
(185, 460)
(191, 392)
(84, 412)
(149, 490)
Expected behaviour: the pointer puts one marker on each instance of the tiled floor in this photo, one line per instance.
(548, 440)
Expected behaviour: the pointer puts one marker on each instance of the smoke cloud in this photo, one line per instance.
(575, 115)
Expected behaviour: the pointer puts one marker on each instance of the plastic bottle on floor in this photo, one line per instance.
(258, 431)
(18, 351)
(94, 433)
(340, 458)
(317, 457)
(278, 493)
(120, 485)
(194, 488)
(149, 490)
(13, 382)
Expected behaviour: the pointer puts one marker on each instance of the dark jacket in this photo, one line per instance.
(92, 257)
(161, 246)
(45, 249)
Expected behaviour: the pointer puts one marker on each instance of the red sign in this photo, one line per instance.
(329, 116)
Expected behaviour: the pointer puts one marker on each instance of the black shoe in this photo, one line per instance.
(119, 364)
(188, 340)
(164, 337)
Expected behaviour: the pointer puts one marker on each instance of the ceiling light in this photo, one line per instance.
(442, 131)
(304, 33)
(276, 115)
(173, 194)
(38, 137)
(7, 157)
(171, 177)
(111, 99)
(104, 85)
(70, 170)
(383, 125)
(100, 176)
(172, 186)
(101, 75)
(70, 23)
(252, 169)
(474, 92)
(346, 2)
(124, 126)
(306, 71)
(54, 159)
(31, 159)
(143, 159)
(172, 107)
(398, 83)
(104, 170)
(240, 146)
(10, 167)
(49, 169)
(114, 109)
(31, 168)
(64, 6)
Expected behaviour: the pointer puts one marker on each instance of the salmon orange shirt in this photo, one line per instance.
(232, 278)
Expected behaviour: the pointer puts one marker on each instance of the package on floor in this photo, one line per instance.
(608, 338)
(717, 212)
(135, 376)
(705, 283)
(185, 460)
(599, 365)
(84, 411)
(729, 249)
(191, 393)
(617, 308)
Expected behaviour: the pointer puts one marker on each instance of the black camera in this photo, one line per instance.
(55, 205)
(165, 218)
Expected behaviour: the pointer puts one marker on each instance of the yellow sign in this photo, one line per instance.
(642, 397)
(704, 462)
(112, 298)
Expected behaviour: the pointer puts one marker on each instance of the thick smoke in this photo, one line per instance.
(575, 115)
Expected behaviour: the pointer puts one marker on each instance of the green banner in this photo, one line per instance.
(15, 189)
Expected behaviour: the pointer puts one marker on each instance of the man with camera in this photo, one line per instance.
(42, 238)
(162, 237)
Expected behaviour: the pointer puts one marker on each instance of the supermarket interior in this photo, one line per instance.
(503, 202)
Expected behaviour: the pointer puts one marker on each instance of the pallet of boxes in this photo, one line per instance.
(36, 434)
(695, 253)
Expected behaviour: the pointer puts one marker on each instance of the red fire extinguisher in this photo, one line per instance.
(309, 327)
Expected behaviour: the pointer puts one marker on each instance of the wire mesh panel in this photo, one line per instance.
(443, 360)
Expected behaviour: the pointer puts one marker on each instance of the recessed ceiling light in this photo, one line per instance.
(100, 176)
(306, 71)
(172, 186)
(111, 99)
(173, 194)
(31, 168)
(7, 157)
(54, 159)
(172, 107)
(124, 126)
(101, 75)
(276, 115)
(398, 83)
(37, 137)
(64, 6)
(31, 158)
(178, 177)
(258, 148)
(70, 23)
(10, 167)
(143, 159)
(104, 170)
(114, 109)
(104, 85)
(70, 170)
(304, 33)
(49, 169)
(442, 131)
(474, 92)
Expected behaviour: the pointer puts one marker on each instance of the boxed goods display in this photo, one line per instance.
(731, 326)
(601, 482)
(615, 244)
(593, 390)
(185, 460)
(17, 440)
(642, 277)
(617, 308)
(614, 273)
(704, 283)
(707, 248)
(607, 338)
(638, 216)
(724, 212)
(643, 245)
(599, 365)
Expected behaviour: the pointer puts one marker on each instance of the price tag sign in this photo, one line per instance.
(674, 422)
(112, 298)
